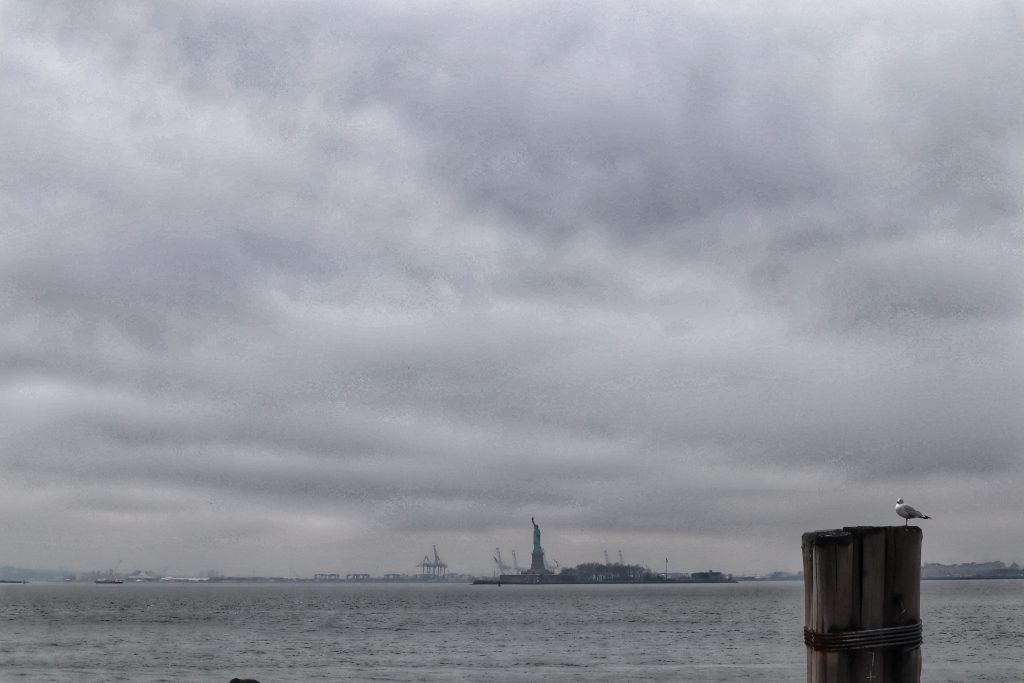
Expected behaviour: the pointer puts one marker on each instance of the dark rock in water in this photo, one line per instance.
(243, 680)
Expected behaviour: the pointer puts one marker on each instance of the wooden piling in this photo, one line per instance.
(862, 604)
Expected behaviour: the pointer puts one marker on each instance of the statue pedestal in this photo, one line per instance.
(537, 564)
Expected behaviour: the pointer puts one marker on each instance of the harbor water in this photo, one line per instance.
(453, 632)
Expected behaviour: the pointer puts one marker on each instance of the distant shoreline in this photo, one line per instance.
(542, 580)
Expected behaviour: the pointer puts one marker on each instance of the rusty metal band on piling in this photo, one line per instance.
(909, 635)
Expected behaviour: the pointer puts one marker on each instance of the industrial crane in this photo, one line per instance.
(433, 568)
(515, 562)
(439, 566)
(502, 567)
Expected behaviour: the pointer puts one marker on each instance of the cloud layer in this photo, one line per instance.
(313, 286)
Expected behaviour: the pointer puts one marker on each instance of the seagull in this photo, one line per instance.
(908, 513)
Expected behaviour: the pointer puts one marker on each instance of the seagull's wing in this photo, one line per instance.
(911, 512)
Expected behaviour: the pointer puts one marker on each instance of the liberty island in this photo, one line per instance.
(593, 572)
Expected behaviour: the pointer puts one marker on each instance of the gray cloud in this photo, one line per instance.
(325, 281)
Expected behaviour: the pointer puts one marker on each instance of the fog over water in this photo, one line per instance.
(297, 287)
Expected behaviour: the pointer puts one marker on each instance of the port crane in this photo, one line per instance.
(620, 559)
(440, 566)
(515, 562)
(433, 568)
(502, 567)
(606, 560)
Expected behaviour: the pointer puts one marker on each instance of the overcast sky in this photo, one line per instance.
(312, 286)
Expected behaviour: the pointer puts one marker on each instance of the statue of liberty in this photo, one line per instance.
(537, 565)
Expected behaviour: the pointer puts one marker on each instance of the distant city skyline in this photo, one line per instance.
(325, 284)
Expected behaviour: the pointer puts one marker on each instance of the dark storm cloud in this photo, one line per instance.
(303, 273)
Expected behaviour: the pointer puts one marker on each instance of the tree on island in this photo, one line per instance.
(597, 572)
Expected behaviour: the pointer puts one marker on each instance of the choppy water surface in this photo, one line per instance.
(376, 632)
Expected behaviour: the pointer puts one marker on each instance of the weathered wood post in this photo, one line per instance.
(862, 604)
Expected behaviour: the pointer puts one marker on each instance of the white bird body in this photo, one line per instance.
(908, 513)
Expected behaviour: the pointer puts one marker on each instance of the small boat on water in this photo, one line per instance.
(109, 581)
